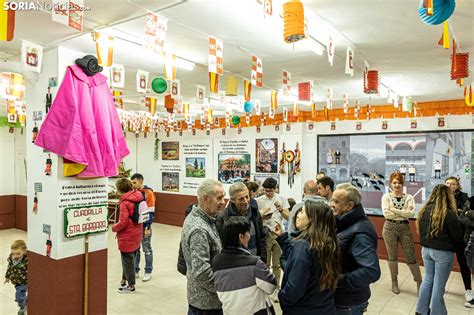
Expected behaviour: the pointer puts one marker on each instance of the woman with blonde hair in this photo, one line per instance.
(397, 208)
(440, 231)
(312, 268)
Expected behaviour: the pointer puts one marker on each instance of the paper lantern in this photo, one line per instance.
(304, 91)
(442, 10)
(159, 85)
(371, 82)
(293, 21)
(169, 104)
(460, 66)
(231, 86)
(248, 106)
(235, 120)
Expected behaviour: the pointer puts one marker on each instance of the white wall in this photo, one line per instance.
(12, 163)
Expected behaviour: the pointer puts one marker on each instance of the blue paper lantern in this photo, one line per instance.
(442, 10)
(248, 106)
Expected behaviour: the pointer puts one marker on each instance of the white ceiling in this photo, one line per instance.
(387, 34)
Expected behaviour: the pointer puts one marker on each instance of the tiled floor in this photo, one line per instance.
(166, 292)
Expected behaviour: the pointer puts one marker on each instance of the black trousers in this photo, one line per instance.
(128, 267)
(465, 271)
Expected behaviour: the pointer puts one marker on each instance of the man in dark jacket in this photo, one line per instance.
(240, 205)
(357, 241)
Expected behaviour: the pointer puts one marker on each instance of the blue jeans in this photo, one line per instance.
(146, 245)
(352, 310)
(438, 264)
(21, 295)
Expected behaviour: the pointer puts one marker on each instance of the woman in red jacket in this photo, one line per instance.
(129, 234)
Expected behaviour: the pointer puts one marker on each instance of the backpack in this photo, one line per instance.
(140, 212)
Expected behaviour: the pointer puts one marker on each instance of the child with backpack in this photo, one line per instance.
(129, 231)
(17, 273)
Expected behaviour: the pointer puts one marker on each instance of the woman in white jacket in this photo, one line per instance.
(397, 208)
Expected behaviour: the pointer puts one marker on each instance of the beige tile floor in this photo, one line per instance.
(166, 292)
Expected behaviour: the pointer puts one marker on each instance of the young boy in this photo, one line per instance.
(17, 273)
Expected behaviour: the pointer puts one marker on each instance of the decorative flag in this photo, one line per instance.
(268, 7)
(313, 110)
(468, 96)
(60, 11)
(170, 66)
(329, 99)
(213, 82)
(285, 114)
(407, 104)
(330, 47)
(175, 88)
(257, 72)
(169, 103)
(16, 86)
(150, 103)
(350, 61)
(345, 104)
(257, 106)
(357, 110)
(286, 83)
(155, 32)
(104, 46)
(7, 23)
(444, 40)
(200, 94)
(305, 91)
(216, 56)
(117, 76)
(31, 56)
(295, 109)
(274, 100)
(142, 81)
(118, 98)
(247, 90)
(76, 14)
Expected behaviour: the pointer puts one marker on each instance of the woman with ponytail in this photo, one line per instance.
(440, 233)
(312, 269)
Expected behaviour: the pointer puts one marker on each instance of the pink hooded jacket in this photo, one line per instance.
(83, 125)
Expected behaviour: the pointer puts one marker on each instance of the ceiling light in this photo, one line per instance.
(185, 64)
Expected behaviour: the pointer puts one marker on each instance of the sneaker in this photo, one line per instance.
(469, 304)
(123, 283)
(22, 311)
(126, 290)
(146, 277)
(468, 295)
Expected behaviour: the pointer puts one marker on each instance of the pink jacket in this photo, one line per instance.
(83, 125)
(129, 234)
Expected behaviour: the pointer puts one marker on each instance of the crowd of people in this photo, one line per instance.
(319, 255)
(234, 253)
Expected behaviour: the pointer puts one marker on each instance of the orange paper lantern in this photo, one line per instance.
(293, 21)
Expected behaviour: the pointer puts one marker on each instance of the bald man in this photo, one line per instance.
(310, 191)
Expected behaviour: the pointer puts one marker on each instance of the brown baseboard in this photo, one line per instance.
(57, 286)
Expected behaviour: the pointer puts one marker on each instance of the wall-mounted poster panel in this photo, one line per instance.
(425, 159)
(234, 159)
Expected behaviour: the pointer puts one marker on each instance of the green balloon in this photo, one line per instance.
(235, 120)
(159, 85)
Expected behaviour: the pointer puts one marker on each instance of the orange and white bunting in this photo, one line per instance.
(68, 12)
(345, 104)
(200, 94)
(117, 76)
(142, 81)
(350, 61)
(329, 99)
(155, 32)
(330, 47)
(216, 56)
(257, 72)
(286, 83)
(285, 114)
(170, 66)
(104, 46)
(268, 7)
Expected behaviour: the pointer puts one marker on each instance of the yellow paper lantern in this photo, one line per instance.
(293, 21)
(231, 86)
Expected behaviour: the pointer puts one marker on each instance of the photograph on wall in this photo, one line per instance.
(260, 178)
(266, 155)
(233, 168)
(196, 167)
(425, 159)
(170, 181)
(170, 151)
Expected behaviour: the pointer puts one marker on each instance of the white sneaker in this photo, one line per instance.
(146, 277)
(468, 295)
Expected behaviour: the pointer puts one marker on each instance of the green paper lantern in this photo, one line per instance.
(235, 120)
(159, 85)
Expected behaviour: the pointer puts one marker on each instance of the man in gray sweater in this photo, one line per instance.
(201, 242)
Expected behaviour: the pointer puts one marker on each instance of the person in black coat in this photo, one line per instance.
(239, 205)
(312, 269)
(462, 205)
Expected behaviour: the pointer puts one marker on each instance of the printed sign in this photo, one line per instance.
(85, 220)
